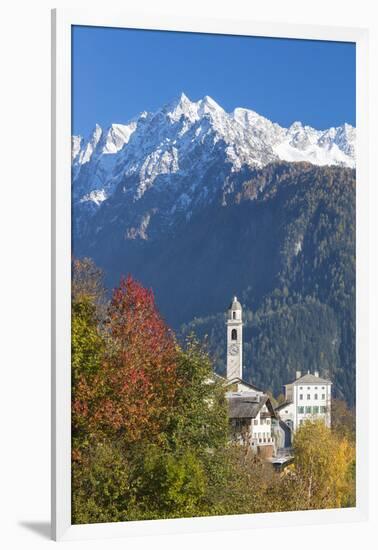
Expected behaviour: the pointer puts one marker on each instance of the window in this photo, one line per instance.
(308, 396)
(308, 410)
(300, 410)
(255, 421)
(301, 388)
(262, 420)
(234, 334)
(315, 410)
(234, 315)
(323, 395)
(316, 396)
(301, 396)
(267, 421)
(316, 387)
(323, 409)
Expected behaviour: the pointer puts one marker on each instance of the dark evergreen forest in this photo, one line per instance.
(294, 245)
(282, 238)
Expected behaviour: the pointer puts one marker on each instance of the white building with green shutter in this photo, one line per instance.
(308, 397)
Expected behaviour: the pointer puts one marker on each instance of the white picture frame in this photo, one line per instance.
(62, 21)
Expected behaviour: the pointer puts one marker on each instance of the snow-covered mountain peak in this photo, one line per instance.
(178, 107)
(180, 101)
(208, 104)
(86, 154)
(296, 126)
(101, 142)
(117, 136)
(192, 111)
(183, 99)
(190, 149)
(247, 117)
(259, 130)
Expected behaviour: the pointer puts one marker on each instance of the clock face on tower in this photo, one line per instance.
(234, 349)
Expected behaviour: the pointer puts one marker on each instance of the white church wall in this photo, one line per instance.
(245, 388)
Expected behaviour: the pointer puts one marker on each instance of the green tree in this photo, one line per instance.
(167, 484)
(101, 488)
(87, 343)
(199, 418)
(88, 346)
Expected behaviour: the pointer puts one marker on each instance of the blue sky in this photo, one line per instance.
(117, 73)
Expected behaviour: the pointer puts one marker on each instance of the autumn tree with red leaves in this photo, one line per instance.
(143, 414)
(133, 391)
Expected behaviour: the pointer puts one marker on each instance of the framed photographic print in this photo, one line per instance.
(209, 274)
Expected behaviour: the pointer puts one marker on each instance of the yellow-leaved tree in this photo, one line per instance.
(323, 471)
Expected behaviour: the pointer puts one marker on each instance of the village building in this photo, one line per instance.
(254, 421)
(308, 397)
(251, 417)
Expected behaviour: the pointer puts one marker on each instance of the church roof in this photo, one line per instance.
(237, 380)
(309, 379)
(235, 305)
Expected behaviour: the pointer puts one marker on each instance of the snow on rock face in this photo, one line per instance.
(332, 146)
(75, 146)
(117, 136)
(139, 232)
(86, 154)
(157, 163)
(97, 196)
(176, 148)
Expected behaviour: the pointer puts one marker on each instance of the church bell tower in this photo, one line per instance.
(234, 340)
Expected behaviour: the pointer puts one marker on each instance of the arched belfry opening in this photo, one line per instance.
(234, 334)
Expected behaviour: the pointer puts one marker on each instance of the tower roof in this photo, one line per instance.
(235, 305)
